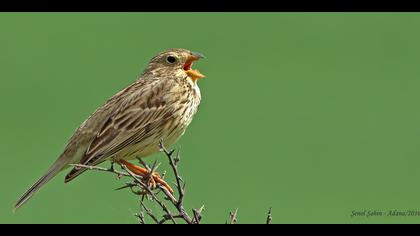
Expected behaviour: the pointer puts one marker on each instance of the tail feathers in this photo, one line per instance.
(76, 171)
(52, 171)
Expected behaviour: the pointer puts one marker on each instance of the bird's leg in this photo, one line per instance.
(155, 177)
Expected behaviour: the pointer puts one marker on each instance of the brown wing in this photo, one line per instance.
(138, 116)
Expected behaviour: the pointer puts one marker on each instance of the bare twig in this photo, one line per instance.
(181, 188)
(173, 163)
(147, 189)
(127, 185)
(269, 217)
(170, 217)
(198, 214)
(233, 217)
(98, 168)
(140, 216)
(149, 212)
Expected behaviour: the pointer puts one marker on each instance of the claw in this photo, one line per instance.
(152, 178)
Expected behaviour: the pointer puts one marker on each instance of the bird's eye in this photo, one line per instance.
(171, 59)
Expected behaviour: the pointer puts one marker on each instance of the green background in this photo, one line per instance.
(313, 114)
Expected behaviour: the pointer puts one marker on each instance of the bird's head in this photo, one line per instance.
(176, 61)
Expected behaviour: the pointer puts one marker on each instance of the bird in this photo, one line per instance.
(158, 106)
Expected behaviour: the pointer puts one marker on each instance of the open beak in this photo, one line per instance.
(193, 74)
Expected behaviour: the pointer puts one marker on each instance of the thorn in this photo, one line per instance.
(177, 157)
(201, 208)
(127, 185)
(155, 166)
(184, 187)
(143, 163)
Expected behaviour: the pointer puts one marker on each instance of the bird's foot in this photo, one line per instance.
(150, 178)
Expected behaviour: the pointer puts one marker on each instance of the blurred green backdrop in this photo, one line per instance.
(313, 114)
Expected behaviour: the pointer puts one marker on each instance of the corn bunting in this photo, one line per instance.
(158, 106)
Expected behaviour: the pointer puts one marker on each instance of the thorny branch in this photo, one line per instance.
(153, 195)
(141, 186)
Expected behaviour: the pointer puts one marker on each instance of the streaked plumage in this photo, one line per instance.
(159, 105)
